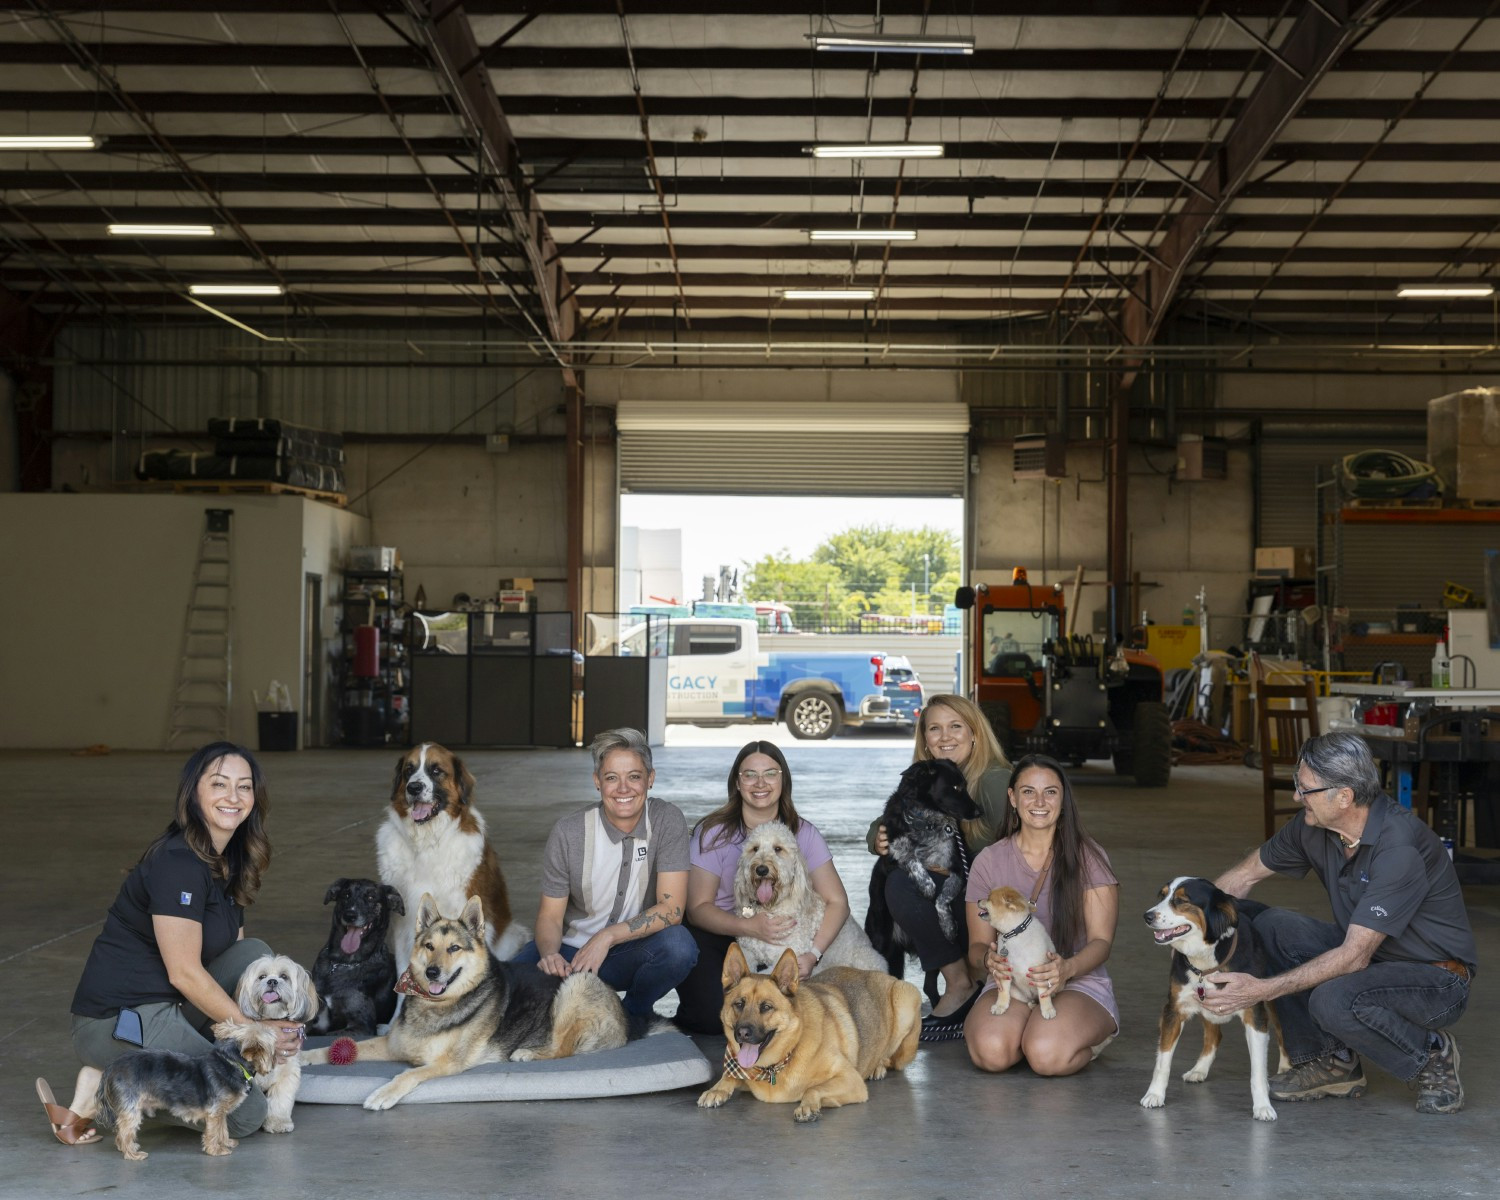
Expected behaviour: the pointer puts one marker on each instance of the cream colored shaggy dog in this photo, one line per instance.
(772, 877)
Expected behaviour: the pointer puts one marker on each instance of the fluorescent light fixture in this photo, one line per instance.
(862, 235)
(891, 43)
(1427, 291)
(234, 289)
(828, 294)
(879, 150)
(161, 231)
(48, 141)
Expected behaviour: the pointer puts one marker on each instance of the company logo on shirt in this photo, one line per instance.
(640, 854)
(1378, 911)
(184, 898)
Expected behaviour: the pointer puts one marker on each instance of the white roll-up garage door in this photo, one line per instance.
(791, 447)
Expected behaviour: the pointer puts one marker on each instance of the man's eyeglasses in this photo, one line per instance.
(752, 777)
(1299, 791)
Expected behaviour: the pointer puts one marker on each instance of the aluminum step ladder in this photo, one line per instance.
(200, 699)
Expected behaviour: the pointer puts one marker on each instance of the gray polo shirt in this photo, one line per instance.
(562, 860)
(1399, 882)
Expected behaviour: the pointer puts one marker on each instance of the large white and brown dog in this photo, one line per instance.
(433, 841)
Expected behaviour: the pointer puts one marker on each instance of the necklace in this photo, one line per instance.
(1348, 843)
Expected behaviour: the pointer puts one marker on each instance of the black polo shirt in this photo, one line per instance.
(1399, 881)
(125, 967)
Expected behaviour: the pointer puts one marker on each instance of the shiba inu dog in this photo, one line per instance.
(1024, 940)
(465, 1007)
(812, 1044)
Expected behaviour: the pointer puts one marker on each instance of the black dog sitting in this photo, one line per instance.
(921, 822)
(355, 973)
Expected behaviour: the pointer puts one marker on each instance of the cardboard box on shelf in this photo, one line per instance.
(514, 600)
(1287, 562)
(1463, 443)
(521, 584)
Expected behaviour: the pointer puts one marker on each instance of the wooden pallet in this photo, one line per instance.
(242, 487)
(1477, 505)
(1393, 502)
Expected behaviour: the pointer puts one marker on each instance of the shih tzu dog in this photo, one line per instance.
(205, 1087)
(274, 988)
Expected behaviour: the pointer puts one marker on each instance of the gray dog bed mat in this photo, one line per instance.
(658, 1063)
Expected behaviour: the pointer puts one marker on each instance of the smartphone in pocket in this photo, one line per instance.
(128, 1027)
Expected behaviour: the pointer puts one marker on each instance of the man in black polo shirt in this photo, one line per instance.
(1391, 972)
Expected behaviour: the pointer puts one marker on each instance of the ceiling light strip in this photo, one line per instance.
(128, 230)
(878, 150)
(891, 43)
(862, 235)
(48, 142)
(1455, 289)
(828, 294)
(235, 289)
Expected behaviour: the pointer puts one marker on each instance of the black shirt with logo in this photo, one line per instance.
(1399, 881)
(125, 967)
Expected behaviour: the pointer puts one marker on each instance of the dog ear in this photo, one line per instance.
(399, 785)
(735, 966)
(333, 890)
(786, 973)
(427, 911)
(310, 1001)
(1220, 915)
(473, 916)
(393, 900)
(465, 781)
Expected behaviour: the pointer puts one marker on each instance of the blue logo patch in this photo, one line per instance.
(184, 898)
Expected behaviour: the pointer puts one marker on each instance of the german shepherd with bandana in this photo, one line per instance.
(465, 1007)
(812, 1043)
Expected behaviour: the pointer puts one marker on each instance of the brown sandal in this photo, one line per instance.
(67, 1126)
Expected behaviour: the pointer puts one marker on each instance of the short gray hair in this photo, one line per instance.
(621, 739)
(1343, 760)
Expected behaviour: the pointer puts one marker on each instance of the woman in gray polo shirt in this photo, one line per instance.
(614, 883)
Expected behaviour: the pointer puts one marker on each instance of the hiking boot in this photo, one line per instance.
(1320, 1079)
(1438, 1088)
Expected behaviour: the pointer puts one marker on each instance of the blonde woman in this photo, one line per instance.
(954, 729)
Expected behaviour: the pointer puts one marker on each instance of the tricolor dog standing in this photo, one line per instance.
(433, 841)
(1203, 927)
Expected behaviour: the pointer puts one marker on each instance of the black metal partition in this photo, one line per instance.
(492, 679)
(625, 674)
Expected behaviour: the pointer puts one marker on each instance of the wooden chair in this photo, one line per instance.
(1286, 715)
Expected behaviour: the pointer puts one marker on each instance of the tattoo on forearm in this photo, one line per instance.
(642, 921)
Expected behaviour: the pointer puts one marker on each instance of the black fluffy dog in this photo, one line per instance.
(356, 971)
(921, 821)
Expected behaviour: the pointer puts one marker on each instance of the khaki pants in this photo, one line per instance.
(180, 1027)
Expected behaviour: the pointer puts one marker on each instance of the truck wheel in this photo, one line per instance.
(997, 713)
(1151, 744)
(814, 715)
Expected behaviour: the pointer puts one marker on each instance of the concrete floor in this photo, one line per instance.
(940, 1129)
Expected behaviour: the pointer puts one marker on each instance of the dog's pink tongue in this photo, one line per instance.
(747, 1056)
(421, 811)
(271, 996)
(765, 893)
(349, 943)
(436, 989)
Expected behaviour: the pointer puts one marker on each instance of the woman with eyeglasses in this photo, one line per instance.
(760, 790)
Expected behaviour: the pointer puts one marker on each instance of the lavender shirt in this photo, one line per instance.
(723, 857)
(1003, 865)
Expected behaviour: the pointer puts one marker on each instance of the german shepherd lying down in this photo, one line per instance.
(814, 1043)
(465, 1007)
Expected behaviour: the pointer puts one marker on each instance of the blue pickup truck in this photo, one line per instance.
(717, 674)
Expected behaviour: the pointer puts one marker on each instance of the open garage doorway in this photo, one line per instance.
(845, 601)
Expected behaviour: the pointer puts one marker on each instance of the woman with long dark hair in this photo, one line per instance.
(172, 950)
(759, 790)
(1044, 853)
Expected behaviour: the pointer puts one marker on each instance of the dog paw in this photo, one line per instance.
(523, 1055)
(1264, 1112)
(136, 1154)
(877, 1073)
(802, 1113)
(1048, 1011)
(277, 1125)
(713, 1098)
(382, 1098)
(1153, 1099)
(1195, 1075)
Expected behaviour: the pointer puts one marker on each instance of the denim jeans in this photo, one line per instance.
(1384, 1012)
(645, 969)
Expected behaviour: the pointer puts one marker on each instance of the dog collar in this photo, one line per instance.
(237, 1060)
(757, 1073)
(1019, 929)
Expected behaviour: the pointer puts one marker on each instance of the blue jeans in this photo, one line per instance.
(645, 969)
(1384, 1012)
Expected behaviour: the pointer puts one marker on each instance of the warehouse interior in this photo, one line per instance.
(1145, 285)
